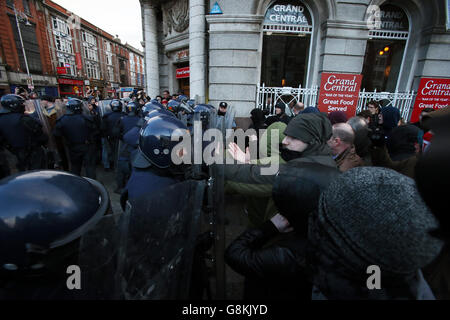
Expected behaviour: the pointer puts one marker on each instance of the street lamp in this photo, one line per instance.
(23, 17)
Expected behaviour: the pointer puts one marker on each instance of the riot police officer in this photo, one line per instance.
(125, 124)
(21, 134)
(153, 168)
(81, 133)
(44, 239)
(109, 122)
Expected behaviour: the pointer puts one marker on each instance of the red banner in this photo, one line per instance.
(433, 93)
(183, 73)
(339, 92)
(61, 70)
(78, 61)
(70, 81)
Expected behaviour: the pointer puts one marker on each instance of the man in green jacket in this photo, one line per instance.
(305, 141)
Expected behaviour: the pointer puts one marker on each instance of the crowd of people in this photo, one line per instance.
(349, 194)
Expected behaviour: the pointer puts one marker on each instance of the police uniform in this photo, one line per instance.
(80, 132)
(109, 122)
(22, 135)
(152, 164)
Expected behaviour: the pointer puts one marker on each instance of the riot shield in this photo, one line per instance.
(101, 257)
(29, 107)
(101, 253)
(160, 243)
(104, 107)
(48, 121)
(60, 107)
(216, 216)
(85, 108)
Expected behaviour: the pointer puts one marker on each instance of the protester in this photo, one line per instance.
(342, 147)
(337, 117)
(370, 217)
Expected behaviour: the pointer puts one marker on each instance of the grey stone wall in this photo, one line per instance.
(234, 60)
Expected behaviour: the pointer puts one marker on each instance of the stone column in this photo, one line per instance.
(197, 54)
(151, 50)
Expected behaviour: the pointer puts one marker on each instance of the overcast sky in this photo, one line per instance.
(113, 16)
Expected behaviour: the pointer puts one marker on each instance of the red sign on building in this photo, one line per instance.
(339, 92)
(183, 73)
(61, 70)
(78, 61)
(71, 82)
(433, 93)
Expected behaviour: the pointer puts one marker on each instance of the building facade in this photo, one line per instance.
(235, 50)
(66, 55)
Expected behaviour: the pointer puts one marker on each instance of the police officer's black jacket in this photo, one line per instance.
(109, 122)
(77, 129)
(21, 131)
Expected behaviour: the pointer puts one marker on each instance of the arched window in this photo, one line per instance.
(286, 44)
(385, 49)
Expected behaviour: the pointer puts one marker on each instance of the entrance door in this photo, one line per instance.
(183, 84)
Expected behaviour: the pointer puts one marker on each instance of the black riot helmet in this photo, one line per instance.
(150, 106)
(155, 142)
(116, 105)
(43, 213)
(132, 108)
(202, 112)
(154, 113)
(12, 103)
(173, 106)
(74, 105)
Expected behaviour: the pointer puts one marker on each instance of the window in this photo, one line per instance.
(26, 7)
(382, 64)
(61, 26)
(385, 50)
(67, 62)
(286, 44)
(133, 78)
(89, 46)
(92, 71)
(30, 44)
(110, 73)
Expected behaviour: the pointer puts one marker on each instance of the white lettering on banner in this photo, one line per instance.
(432, 89)
(336, 84)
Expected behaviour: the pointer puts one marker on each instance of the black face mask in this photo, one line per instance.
(220, 113)
(288, 155)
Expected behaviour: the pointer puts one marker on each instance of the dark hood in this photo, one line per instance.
(311, 128)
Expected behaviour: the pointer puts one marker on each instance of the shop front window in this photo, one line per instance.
(385, 50)
(286, 45)
(382, 64)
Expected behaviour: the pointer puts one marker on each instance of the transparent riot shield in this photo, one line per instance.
(101, 253)
(160, 243)
(104, 107)
(29, 108)
(101, 258)
(48, 117)
(216, 216)
(60, 107)
(85, 108)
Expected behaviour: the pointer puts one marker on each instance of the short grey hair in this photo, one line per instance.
(344, 132)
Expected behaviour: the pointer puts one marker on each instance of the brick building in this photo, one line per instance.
(66, 54)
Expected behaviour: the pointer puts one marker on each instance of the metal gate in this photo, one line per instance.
(268, 97)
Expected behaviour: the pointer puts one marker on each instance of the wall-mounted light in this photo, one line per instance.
(386, 49)
(381, 52)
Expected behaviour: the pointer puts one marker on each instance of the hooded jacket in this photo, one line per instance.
(313, 129)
